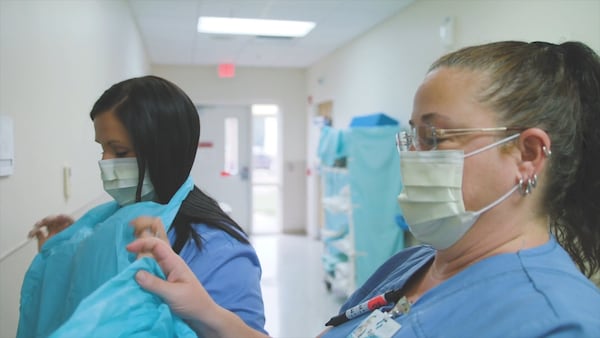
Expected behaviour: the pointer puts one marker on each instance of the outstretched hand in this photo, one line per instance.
(181, 284)
(184, 294)
(48, 227)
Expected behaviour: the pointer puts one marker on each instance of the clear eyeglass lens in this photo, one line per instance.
(421, 138)
(414, 138)
(424, 138)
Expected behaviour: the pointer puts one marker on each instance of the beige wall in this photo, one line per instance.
(283, 87)
(56, 58)
(381, 70)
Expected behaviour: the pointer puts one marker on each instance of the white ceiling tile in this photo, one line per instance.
(168, 28)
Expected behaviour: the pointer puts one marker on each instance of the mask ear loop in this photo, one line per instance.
(489, 146)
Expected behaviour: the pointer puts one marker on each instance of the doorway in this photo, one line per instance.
(239, 163)
(266, 169)
(222, 165)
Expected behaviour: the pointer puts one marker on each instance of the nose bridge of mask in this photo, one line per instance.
(119, 168)
(120, 180)
(120, 172)
(432, 176)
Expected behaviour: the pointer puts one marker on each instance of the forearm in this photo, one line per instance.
(231, 276)
(224, 324)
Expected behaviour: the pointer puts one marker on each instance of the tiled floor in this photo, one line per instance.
(297, 304)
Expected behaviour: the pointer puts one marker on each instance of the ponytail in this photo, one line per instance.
(578, 227)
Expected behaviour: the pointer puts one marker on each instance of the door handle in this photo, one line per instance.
(244, 173)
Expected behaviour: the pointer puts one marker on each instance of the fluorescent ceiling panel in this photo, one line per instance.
(259, 27)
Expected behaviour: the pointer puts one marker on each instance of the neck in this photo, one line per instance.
(486, 239)
(479, 243)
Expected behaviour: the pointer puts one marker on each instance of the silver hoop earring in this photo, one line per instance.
(533, 181)
(525, 188)
(546, 151)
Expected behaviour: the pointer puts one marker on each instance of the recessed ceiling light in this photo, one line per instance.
(258, 27)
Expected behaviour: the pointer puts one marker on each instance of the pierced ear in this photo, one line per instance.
(534, 144)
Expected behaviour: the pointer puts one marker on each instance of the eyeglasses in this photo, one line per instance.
(428, 137)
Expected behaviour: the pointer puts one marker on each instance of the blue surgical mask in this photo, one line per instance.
(120, 179)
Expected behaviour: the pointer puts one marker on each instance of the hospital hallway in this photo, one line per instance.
(297, 303)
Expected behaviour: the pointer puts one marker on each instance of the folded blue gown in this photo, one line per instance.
(81, 283)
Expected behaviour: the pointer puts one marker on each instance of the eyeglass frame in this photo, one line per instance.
(404, 141)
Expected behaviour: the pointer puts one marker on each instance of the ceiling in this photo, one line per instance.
(168, 29)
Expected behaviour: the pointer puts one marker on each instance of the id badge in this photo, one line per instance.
(376, 325)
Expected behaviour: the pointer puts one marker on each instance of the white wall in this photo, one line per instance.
(381, 70)
(56, 58)
(283, 87)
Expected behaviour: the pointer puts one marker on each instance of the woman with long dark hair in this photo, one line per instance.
(149, 131)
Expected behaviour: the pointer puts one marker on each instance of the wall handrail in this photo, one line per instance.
(76, 214)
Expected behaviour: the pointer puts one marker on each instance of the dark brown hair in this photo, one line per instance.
(164, 127)
(555, 88)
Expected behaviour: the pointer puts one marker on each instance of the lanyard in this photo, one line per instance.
(376, 302)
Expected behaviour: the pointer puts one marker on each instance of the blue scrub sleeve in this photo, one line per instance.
(230, 272)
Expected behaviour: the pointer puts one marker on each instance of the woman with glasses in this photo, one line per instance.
(501, 183)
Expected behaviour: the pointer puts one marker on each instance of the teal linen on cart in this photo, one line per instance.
(373, 167)
(331, 145)
(84, 258)
(359, 202)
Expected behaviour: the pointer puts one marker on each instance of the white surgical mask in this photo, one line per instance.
(431, 197)
(120, 178)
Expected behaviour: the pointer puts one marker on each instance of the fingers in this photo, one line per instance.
(152, 283)
(160, 250)
(52, 224)
(48, 227)
(145, 226)
(41, 235)
(55, 221)
(63, 220)
(37, 232)
(146, 247)
(181, 290)
(39, 226)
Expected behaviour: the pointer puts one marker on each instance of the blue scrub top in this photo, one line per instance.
(537, 292)
(229, 271)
